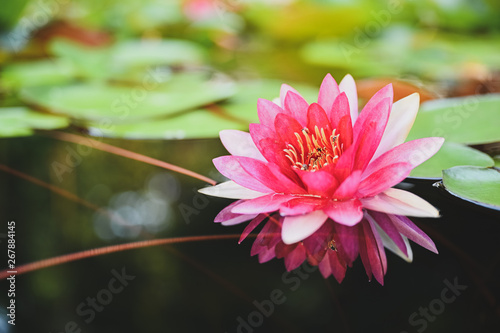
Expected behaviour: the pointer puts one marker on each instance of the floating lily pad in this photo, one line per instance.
(119, 104)
(475, 184)
(43, 72)
(20, 121)
(196, 124)
(469, 120)
(451, 154)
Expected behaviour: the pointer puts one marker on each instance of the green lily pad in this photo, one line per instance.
(42, 72)
(119, 104)
(469, 120)
(451, 154)
(198, 124)
(20, 121)
(475, 184)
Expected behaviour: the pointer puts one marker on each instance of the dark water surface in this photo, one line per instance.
(215, 286)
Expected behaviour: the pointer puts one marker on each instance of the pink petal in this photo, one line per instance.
(297, 228)
(226, 214)
(261, 172)
(401, 120)
(414, 152)
(383, 179)
(348, 241)
(368, 131)
(368, 114)
(267, 111)
(285, 88)
(231, 190)
(399, 202)
(297, 106)
(286, 126)
(328, 92)
(372, 257)
(347, 212)
(389, 228)
(266, 254)
(407, 228)
(339, 110)
(331, 264)
(238, 219)
(348, 86)
(240, 143)
(295, 258)
(265, 204)
(316, 116)
(251, 226)
(288, 185)
(301, 206)
(230, 167)
(319, 183)
(349, 186)
(380, 245)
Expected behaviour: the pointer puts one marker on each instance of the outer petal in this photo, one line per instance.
(252, 225)
(328, 92)
(368, 131)
(407, 228)
(297, 228)
(297, 106)
(267, 111)
(347, 212)
(399, 202)
(384, 178)
(390, 231)
(239, 143)
(231, 190)
(285, 88)
(230, 167)
(414, 152)
(295, 258)
(401, 120)
(348, 86)
(266, 204)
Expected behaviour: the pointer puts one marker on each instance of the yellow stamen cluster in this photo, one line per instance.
(313, 151)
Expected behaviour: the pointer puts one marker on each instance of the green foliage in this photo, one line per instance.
(20, 121)
(480, 185)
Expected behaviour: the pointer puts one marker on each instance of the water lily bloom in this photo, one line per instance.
(319, 178)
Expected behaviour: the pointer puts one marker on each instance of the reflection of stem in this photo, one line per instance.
(109, 249)
(126, 153)
(62, 192)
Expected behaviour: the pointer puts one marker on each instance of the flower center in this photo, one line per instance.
(313, 151)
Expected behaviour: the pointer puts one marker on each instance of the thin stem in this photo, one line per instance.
(126, 153)
(108, 249)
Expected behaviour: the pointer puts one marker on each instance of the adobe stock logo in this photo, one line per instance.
(425, 315)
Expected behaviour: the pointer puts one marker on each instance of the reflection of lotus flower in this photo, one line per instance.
(321, 176)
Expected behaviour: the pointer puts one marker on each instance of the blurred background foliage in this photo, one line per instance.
(153, 71)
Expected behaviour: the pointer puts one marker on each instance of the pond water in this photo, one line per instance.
(216, 285)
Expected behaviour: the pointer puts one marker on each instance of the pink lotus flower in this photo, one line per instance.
(320, 175)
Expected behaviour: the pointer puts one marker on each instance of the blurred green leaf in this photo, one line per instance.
(10, 13)
(198, 124)
(469, 120)
(94, 101)
(42, 72)
(479, 185)
(20, 121)
(451, 154)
